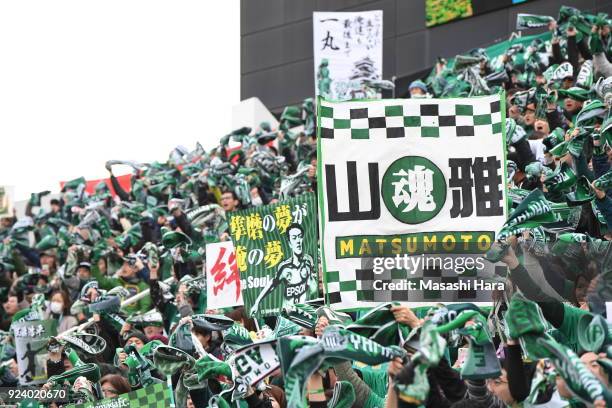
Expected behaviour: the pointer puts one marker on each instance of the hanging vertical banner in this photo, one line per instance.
(31, 339)
(347, 53)
(222, 277)
(276, 254)
(401, 179)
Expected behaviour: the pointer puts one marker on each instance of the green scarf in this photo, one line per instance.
(234, 338)
(169, 360)
(301, 314)
(209, 367)
(525, 21)
(525, 321)
(559, 72)
(583, 193)
(285, 327)
(379, 325)
(585, 75)
(88, 343)
(343, 396)
(482, 361)
(287, 349)
(578, 378)
(432, 346)
(301, 356)
(604, 182)
(533, 211)
(594, 333)
(563, 178)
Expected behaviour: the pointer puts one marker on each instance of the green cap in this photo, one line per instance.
(173, 239)
(591, 110)
(575, 93)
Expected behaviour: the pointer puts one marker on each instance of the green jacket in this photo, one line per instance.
(107, 283)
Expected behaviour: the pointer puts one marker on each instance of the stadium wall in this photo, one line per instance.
(276, 47)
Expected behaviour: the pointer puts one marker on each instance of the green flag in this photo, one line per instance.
(153, 396)
(276, 254)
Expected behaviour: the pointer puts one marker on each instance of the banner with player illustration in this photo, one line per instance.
(401, 177)
(31, 340)
(276, 254)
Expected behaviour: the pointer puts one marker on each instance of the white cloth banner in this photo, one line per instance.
(222, 277)
(255, 362)
(410, 177)
(347, 53)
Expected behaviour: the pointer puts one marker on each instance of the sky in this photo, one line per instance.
(85, 81)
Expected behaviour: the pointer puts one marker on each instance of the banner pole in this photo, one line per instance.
(169, 382)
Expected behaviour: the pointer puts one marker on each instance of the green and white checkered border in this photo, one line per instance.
(393, 118)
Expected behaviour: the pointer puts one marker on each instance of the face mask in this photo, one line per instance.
(257, 201)
(57, 307)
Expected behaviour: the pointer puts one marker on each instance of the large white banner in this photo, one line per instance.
(347, 53)
(222, 277)
(410, 177)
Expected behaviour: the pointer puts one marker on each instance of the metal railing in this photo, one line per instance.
(126, 302)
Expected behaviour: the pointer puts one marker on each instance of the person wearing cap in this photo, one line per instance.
(574, 99)
(130, 337)
(208, 338)
(154, 330)
(135, 337)
(417, 89)
(129, 278)
(83, 272)
(48, 262)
